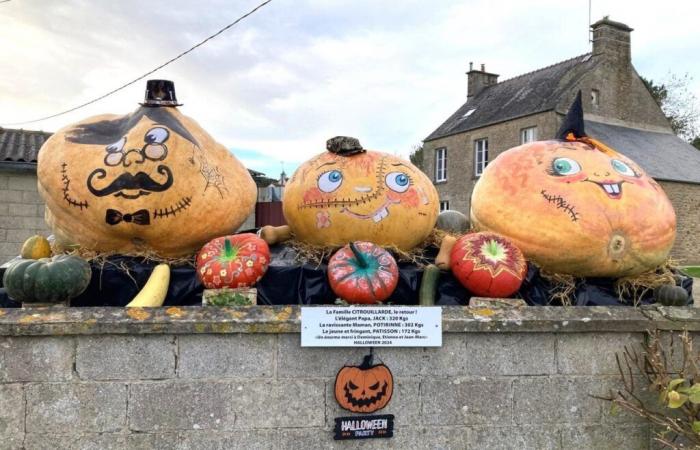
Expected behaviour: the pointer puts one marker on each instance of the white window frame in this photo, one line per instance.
(440, 164)
(528, 134)
(481, 155)
(444, 205)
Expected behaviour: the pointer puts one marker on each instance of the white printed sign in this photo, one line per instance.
(371, 326)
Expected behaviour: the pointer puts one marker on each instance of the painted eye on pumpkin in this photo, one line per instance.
(351, 385)
(398, 181)
(623, 168)
(565, 166)
(330, 181)
(156, 135)
(375, 386)
(117, 146)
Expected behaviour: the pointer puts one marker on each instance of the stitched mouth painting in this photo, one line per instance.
(149, 181)
(353, 194)
(576, 206)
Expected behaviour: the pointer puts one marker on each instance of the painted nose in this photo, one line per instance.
(133, 157)
(363, 188)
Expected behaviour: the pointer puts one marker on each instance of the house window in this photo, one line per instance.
(595, 97)
(481, 156)
(444, 205)
(528, 135)
(441, 164)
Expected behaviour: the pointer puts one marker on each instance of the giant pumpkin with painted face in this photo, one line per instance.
(150, 181)
(360, 195)
(576, 207)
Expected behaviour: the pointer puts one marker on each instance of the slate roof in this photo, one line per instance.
(21, 145)
(664, 156)
(523, 95)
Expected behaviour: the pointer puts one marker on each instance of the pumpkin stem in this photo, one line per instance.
(368, 360)
(228, 249)
(361, 261)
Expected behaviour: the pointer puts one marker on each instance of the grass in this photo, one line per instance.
(692, 271)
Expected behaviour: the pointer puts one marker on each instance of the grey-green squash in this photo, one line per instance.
(47, 280)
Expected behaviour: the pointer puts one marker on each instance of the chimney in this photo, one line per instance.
(612, 39)
(478, 80)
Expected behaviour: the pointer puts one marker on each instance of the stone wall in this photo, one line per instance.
(21, 211)
(686, 201)
(200, 378)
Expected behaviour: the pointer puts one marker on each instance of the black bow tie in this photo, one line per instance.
(140, 217)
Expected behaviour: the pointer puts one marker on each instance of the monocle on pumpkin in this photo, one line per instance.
(149, 181)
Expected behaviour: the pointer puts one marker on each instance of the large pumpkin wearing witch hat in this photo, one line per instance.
(575, 206)
(150, 181)
(350, 194)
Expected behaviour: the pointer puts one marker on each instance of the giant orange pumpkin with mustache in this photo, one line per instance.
(351, 194)
(576, 206)
(150, 181)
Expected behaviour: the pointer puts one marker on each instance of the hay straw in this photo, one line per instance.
(637, 286)
(563, 287)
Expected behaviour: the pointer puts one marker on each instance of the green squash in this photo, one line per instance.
(671, 295)
(453, 222)
(47, 280)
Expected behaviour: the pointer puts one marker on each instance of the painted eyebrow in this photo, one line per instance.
(326, 164)
(399, 164)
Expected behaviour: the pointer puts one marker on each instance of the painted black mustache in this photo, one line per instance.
(140, 181)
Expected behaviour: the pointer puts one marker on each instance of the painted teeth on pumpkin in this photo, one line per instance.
(380, 215)
(616, 188)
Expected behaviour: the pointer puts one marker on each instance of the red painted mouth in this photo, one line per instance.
(613, 189)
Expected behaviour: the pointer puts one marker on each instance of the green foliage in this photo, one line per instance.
(679, 105)
(416, 156)
(229, 299)
(692, 271)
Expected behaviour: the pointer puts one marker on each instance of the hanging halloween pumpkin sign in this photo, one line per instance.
(365, 388)
(575, 206)
(351, 194)
(152, 180)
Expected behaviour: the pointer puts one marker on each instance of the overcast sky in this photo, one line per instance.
(297, 72)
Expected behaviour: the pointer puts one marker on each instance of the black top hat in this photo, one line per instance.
(160, 93)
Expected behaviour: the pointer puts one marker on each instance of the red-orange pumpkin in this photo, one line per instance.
(576, 207)
(234, 261)
(363, 272)
(365, 388)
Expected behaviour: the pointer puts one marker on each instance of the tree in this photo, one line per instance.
(679, 104)
(416, 156)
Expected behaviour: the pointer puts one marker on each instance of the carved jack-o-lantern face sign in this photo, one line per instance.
(149, 181)
(365, 388)
(576, 207)
(370, 196)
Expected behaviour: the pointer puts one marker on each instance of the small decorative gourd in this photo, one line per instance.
(239, 260)
(45, 280)
(36, 247)
(671, 295)
(351, 194)
(363, 272)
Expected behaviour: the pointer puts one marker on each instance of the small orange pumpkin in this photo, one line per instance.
(365, 388)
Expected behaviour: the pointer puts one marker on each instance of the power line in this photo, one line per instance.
(147, 73)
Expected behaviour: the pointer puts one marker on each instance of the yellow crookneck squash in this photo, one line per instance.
(150, 181)
(575, 206)
(351, 194)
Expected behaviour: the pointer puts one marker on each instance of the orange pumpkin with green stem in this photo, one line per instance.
(575, 206)
(351, 194)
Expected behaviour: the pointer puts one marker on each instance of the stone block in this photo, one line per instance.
(226, 356)
(21, 209)
(606, 438)
(70, 408)
(123, 357)
(284, 404)
(32, 197)
(293, 361)
(4, 180)
(11, 416)
(505, 438)
(404, 404)
(593, 354)
(11, 196)
(495, 354)
(36, 358)
(450, 360)
(101, 441)
(466, 401)
(543, 400)
(22, 182)
(237, 440)
(18, 236)
(172, 405)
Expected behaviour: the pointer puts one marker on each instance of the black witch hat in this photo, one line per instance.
(573, 122)
(160, 93)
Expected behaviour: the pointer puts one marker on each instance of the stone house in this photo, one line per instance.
(21, 207)
(618, 110)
